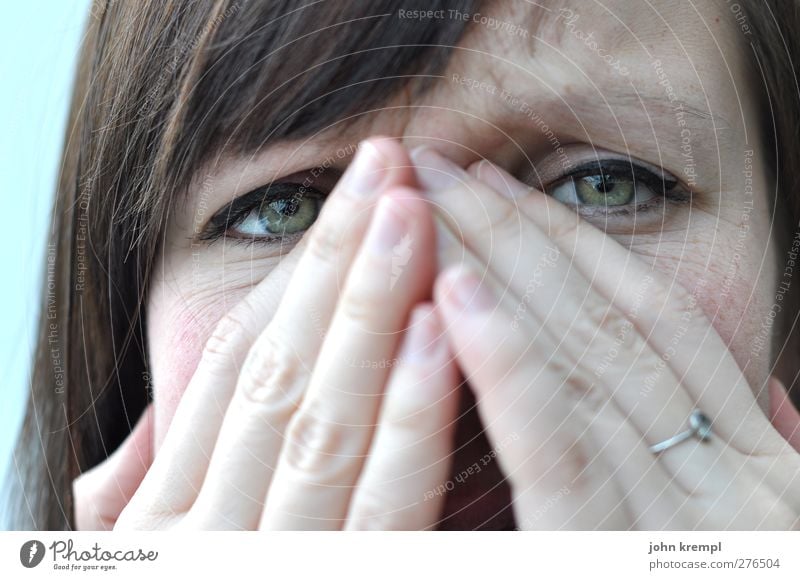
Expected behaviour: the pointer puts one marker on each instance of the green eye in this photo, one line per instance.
(604, 190)
(286, 211)
(278, 213)
(611, 183)
(282, 216)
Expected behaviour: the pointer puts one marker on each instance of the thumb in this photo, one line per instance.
(101, 493)
(782, 413)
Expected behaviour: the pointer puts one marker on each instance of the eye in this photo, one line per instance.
(277, 213)
(280, 216)
(611, 184)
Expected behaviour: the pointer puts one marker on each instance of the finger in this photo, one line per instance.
(410, 455)
(540, 446)
(450, 246)
(101, 493)
(276, 371)
(646, 497)
(783, 414)
(688, 461)
(297, 326)
(526, 385)
(328, 437)
(602, 349)
(520, 221)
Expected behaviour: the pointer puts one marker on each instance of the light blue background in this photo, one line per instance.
(39, 40)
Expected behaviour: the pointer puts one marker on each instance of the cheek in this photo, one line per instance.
(732, 282)
(184, 310)
(177, 333)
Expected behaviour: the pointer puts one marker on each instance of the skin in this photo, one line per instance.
(258, 402)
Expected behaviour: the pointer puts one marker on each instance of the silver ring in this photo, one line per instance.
(699, 426)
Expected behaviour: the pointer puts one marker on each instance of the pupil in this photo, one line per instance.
(602, 183)
(285, 207)
(605, 184)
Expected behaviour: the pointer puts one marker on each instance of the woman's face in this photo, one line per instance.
(542, 92)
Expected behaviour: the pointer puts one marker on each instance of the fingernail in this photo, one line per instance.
(435, 171)
(777, 394)
(500, 180)
(468, 291)
(422, 336)
(387, 228)
(783, 415)
(477, 169)
(365, 174)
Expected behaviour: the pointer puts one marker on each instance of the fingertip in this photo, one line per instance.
(411, 204)
(386, 147)
(394, 157)
(784, 416)
(401, 192)
(144, 429)
(500, 180)
(422, 313)
(100, 493)
(445, 281)
(476, 168)
(777, 395)
(424, 334)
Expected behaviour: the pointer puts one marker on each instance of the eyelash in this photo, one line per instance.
(238, 210)
(665, 189)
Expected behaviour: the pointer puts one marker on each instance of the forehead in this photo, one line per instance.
(618, 51)
(616, 27)
(617, 74)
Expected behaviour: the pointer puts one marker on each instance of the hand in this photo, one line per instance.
(275, 426)
(581, 357)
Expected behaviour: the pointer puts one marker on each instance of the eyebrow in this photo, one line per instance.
(539, 19)
(589, 101)
(643, 98)
(642, 102)
(641, 94)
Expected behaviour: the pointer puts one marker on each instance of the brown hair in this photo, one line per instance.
(772, 30)
(159, 88)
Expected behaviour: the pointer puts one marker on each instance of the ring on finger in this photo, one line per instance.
(699, 426)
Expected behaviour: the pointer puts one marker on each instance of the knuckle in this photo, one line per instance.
(316, 449)
(374, 510)
(610, 341)
(273, 376)
(574, 464)
(326, 242)
(599, 324)
(559, 364)
(613, 324)
(563, 230)
(583, 389)
(408, 417)
(505, 220)
(229, 333)
(568, 461)
(137, 518)
(362, 302)
(676, 304)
